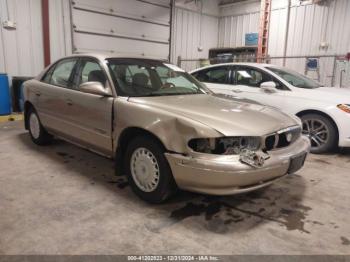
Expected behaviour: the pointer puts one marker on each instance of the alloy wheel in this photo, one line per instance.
(317, 131)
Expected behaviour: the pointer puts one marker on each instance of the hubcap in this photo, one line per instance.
(317, 131)
(144, 169)
(34, 125)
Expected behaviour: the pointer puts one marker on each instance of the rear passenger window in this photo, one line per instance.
(47, 76)
(61, 76)
(217, 75)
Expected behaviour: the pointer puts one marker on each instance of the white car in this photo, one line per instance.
(324, 111)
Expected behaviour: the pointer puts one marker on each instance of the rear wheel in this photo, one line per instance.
(37, 132)
(321, 132)
(148, 171)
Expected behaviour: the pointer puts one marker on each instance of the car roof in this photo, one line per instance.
(258, 65)
(103, 56)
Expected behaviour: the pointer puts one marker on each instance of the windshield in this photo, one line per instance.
(142, 77)
(294, 78)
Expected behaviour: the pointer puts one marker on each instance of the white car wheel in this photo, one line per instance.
(321, 132)
(317, 131)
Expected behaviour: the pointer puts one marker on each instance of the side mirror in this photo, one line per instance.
(95, 88)
(268, 87)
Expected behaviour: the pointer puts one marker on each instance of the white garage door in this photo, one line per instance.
(125, 27)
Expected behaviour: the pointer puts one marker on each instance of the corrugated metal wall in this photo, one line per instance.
(191, 30)
(309, 25)
(233, 29)
(60, 29)
(237, 20)
(21, 49)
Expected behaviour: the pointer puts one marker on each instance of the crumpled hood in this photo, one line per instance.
(226, 115)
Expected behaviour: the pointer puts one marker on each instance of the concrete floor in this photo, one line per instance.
(61, 199)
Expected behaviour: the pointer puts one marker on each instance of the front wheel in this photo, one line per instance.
(321, 132)
(37, 132)
(148, 171)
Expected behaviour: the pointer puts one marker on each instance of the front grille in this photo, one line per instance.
(282, 138)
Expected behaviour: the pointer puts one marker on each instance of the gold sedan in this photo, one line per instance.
(164, 129)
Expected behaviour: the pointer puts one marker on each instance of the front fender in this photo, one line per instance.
(172, 130)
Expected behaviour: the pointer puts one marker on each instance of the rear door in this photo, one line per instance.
(90, 116)
(51, 95)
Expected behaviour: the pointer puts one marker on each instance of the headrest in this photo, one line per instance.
(97, 76)
(140, 79)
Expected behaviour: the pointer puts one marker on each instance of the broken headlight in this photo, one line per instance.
(224, 145)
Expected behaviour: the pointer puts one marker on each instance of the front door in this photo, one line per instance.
(247, 81)
(90, 116)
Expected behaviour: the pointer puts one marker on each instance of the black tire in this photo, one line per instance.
(43, 137)
(331, 139)
(166, 185)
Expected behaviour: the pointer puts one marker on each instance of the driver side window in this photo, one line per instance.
(254, 78)
(91, 71)
(251, 77)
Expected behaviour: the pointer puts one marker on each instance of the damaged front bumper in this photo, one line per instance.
(227, 174)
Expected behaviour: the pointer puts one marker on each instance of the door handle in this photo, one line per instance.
(237, 91)
(69, 102)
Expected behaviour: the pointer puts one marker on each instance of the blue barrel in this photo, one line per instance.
(5, 102)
